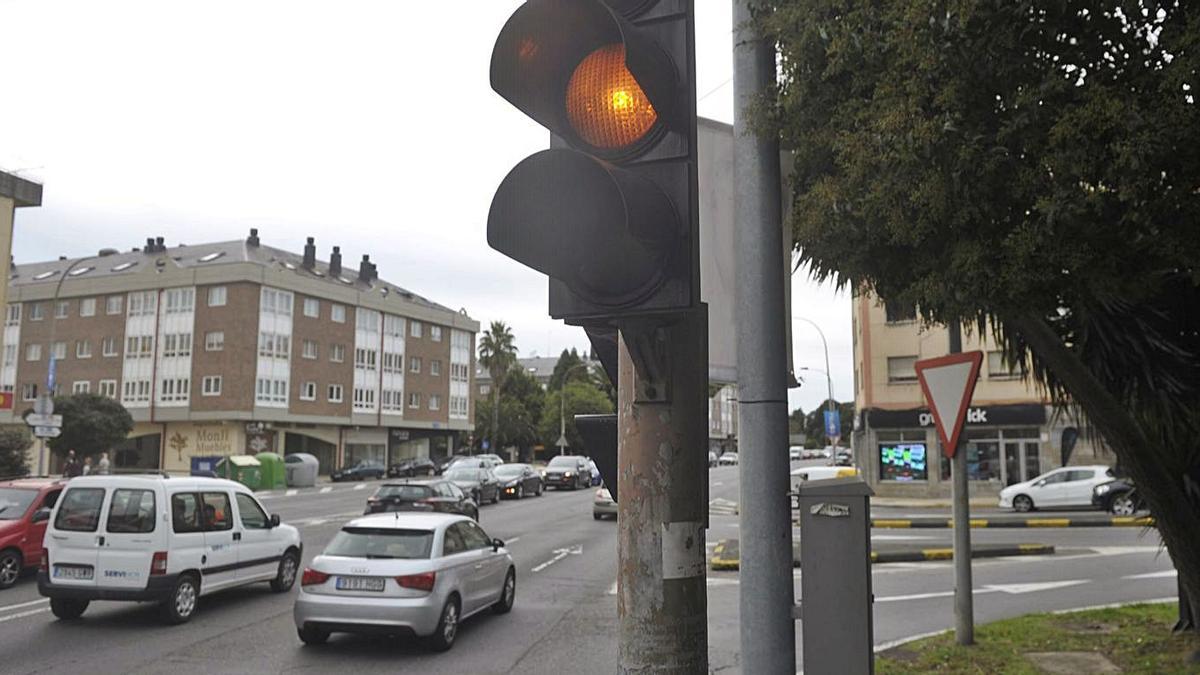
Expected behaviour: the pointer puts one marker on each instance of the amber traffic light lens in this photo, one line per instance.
(605, 104)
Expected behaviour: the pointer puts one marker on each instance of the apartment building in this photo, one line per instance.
(1011, 433)
(15, 193)
(235, 347)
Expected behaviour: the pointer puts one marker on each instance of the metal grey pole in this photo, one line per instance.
(768, 631)
(828, 373)
(964, 601)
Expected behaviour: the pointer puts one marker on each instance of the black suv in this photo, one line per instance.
(361, 471)
(430, 495)
(568, 471)
(412, 467)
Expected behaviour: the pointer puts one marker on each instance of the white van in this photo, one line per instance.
(152, 538)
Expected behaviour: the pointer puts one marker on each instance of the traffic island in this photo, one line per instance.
(1132, 639)
(1001, 523)
(726, 554)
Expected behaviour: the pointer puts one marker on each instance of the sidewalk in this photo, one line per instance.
(929, 502)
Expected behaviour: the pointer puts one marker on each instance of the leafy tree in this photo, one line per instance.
(578, 398)
(796, 422)
(14, 441)
(520, 412)
(1027, 168)
(497, 353)
(569, 366)
(814, 424)
(91, 424)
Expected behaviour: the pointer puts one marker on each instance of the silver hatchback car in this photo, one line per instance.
(404, 573)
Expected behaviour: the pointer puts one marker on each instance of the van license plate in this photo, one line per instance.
(77, 572)
(360, 584)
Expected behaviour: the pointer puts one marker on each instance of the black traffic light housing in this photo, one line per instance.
(610, 213)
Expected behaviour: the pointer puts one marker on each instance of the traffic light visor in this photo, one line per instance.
(605, 104)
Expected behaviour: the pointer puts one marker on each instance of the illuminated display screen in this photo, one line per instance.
(903, 461)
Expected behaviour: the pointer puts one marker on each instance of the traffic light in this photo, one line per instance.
(609, 213)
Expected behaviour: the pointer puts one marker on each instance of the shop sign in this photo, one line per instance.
(995, 415)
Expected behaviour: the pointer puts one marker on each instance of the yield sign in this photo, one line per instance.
(948, 383)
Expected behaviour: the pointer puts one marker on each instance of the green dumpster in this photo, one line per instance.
(242, 468)
(274, 473)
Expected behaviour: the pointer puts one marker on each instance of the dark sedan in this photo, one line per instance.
(518, 480)
(408, 468)
(568, 471)
(1119, 497)
(429, 495)
(479, 482)
(361, 471)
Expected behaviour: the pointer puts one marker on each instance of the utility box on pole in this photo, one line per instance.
(835, 578)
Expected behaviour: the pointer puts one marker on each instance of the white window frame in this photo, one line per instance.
(62, 309)
(435, 333)
(415, 329)
(308, 391)
(312, 353)
(83, 349)
(36, 313)
(29, 391)
(435, 368)
(114, 304)
(414, 364)
(312, 308)
(414, 400)
(81, 387)
(435, 402)
(337, 353)
(58, 350)
(180, 300)
(87, 307)
(218, 296)
(108, 347)
(335, 393)
(214, 341)
(33, 352)
(210, 385)
(13, 317)
(107, 388)
(337, 312)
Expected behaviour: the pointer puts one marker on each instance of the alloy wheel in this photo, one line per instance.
(185, 599)
(10, 569)
(1123, 505)
(449, 622)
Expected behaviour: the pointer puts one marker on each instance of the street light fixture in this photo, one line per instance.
(828, 377)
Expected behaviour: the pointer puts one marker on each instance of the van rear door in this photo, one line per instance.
(74, 539)
(129, 538)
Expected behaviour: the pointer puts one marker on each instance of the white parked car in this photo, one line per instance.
(728, 458)
(406, 574)
(150, 538)
(795, 452)
(1068, 486)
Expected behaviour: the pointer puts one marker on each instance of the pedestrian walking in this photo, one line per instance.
(103, 466)
(71, 467)
(87, 466)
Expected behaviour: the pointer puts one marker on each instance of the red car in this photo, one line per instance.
(25, 506)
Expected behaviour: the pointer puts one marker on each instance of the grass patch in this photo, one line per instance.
(1137, 639)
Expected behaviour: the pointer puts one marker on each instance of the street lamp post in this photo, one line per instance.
(562, 407)
(828, 377)
(43, 467)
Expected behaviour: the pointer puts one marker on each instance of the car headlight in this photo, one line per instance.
(1103, 489)
(567, 474)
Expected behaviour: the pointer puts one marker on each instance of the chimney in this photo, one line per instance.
(105, 252)
(310, 255)
(366, 271)
(159, 245)
(252, 240)
(335, 262)
(149, 245)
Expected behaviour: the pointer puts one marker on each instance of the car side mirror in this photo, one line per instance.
(1040, 483)
(274, 520)
(496, 545)
(41, 515)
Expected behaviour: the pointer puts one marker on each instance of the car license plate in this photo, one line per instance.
(77, 572)
(360, 584)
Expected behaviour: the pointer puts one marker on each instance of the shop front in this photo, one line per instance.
(197, 445)
(369, 445)
(418, 444)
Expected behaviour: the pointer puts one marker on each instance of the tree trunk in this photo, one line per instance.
(495, 417)
(1177, 519)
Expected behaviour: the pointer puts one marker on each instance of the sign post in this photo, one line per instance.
(948, 383)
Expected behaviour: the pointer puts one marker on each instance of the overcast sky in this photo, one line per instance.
(369, 125)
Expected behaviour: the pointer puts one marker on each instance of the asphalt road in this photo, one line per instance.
(564, 620)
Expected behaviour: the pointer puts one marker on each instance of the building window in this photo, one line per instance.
(365, 358)
(335, 393)
(81, 387)
(393, 399)
(181, 300)
(87, 307)
(177, 344)
(217, 295)
(210, 385)
(485, 389)
(393, 326)
(366, 319)
(83, 349)
(899, 313)
(113, 304)
(214, 341)
(337, 353)
(276, 302)
(312, 308)
(393, 362)
(143, 303)
(364, 399)
(435, 402)
(435, 333)
(435, 368)
(108, 346)
(13, 317)
(136, 391)
(36, 312)
(29, 392)
(107, 388)
(58, 351)
(415, 329)
(10, 355)
(337, 313)
(310, 349)
(176, 389)
(308, 391)
(273, 345)
(139, 347)
(62, 309)
(268, 390)
(414, 364)
(414, 400)
(902, 369)
(998, 369)
(33, 352)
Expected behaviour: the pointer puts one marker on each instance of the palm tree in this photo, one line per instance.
(497, 353)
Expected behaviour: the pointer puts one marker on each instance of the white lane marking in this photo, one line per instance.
(317, 522)
(1122, 550)
(718, 483)
(899, 537)
(511, 541)
(559, 554)
(324, 519)
(326, 490)
(25, 604)
(1153, 575)
(291, 493)
(265, 497)
(1014, 589)
(360, 486)
(924, 596)
(22, 615)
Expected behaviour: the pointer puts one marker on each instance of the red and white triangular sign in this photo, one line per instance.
(948, 383)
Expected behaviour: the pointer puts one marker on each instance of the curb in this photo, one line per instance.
(726, 556)
(993, 523)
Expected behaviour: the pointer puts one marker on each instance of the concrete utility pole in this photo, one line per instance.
(768, 631)
(964, 601)
(662, 469)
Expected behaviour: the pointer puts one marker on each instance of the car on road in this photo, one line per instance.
(413, 575)
(1070, 486)
(447, 462)
(1119, 497)
(480, 483)
(568, 471)
(518, 480)
(152, 538)
(844, 457)
(812, 453)
(728, 459)
(363, 470)
(603, 505)
(25, 505)
(419, 466)
(496, 460)
(795, 453)
(422, 494)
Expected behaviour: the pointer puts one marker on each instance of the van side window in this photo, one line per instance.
(217, 514)
(185, 512)
(252, 514)
(80, 510)
(131, 511)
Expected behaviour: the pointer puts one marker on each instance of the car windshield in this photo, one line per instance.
(466, 474)
(509, 470)
(15, 501)
(563, 462)
(372, 542)
(407, 493)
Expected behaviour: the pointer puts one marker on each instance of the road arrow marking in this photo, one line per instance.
(559, 554)
(1015, 589)
(360, 486)
(1153, 575)
(290, 493)
(326, 490)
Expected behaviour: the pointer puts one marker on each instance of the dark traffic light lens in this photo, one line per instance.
(605, 104)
